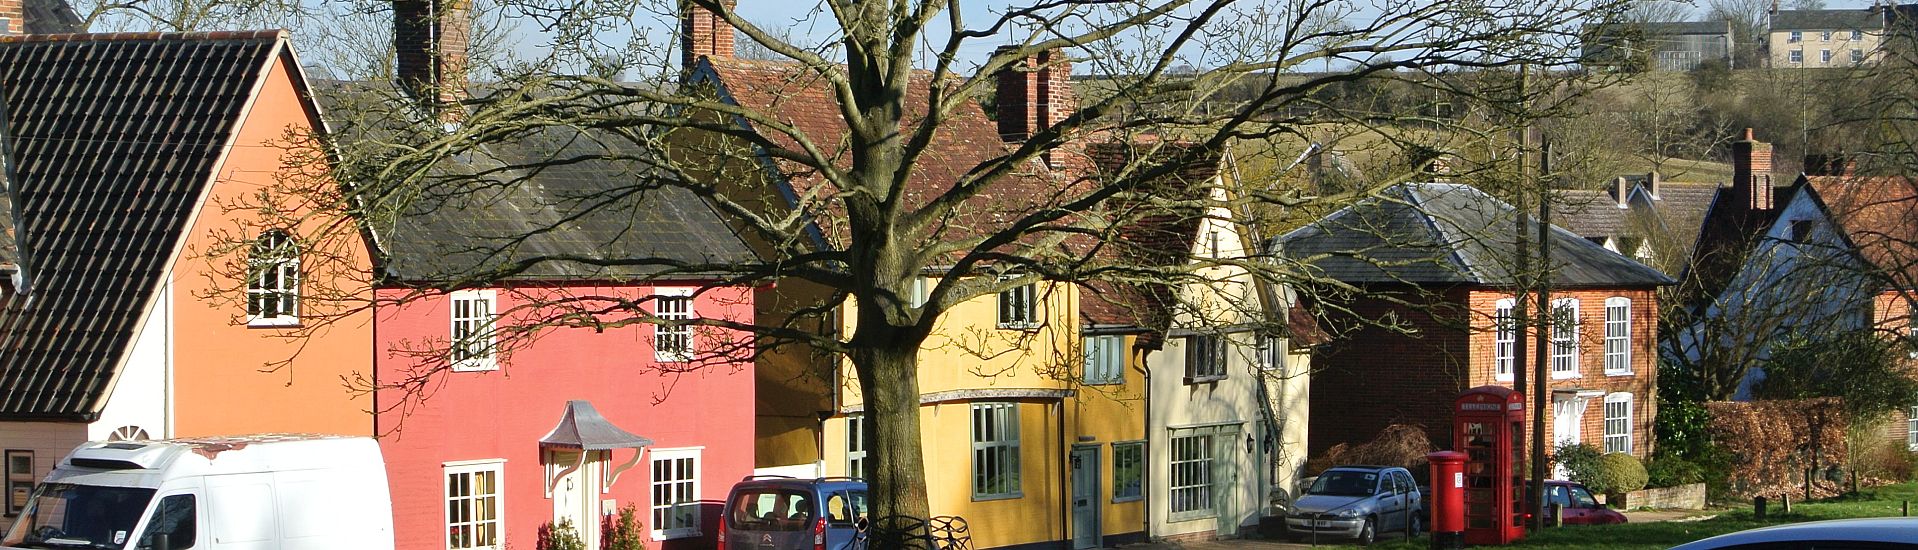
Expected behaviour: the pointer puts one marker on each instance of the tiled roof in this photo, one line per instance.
(1165, 238)
(1827, 20)
(115, 140)
(1666, 28)
(1879, 216)
(1442, 233)
(800, 97)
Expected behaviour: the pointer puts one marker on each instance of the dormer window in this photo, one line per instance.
(273, 281)
(1801, 231)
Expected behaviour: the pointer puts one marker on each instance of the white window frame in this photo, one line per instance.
(1565, 332)
(1137, 450)
(1857, 34)
(856, 446)
(691, 486)
(1618, 413)
(1825, 35)
(474, 336)
(1001, 443)
(1212, 242)
(273, 274)
(1272, 353)
(1824, 57)
(1796, 36)
(667, 305)
(1504, 338)
(1857, 55)
(1205, 359)
(1796, 56)
(472, 468)
(921, 291)
(1019, 307)
(1105, 360)
(1192, 468)
(1618, 336)
(1911, 429)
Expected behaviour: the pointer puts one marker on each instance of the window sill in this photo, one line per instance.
(1019, 326)
(1192, 516)
(488, 366)
(1618, 373)
(274, 322)
(1190, 380)
(673, 358)
(1102, 382)
(1565, 375)
(1008, 496)
(1119, 500)
(1501, 377)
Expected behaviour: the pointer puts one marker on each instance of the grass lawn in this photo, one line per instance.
(1880, 502)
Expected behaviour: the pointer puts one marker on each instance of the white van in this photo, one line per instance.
(283, 492)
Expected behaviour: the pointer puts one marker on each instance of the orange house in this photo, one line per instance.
(127, 156)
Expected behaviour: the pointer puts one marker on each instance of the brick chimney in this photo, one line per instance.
(1751, 172)
(1034, 94)
(1654, 182)
(703, 33)
(430, 38)
(1621, 191)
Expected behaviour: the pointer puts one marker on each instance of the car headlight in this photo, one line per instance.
(1350, 513)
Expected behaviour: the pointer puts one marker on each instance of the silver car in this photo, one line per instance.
(1356, 502)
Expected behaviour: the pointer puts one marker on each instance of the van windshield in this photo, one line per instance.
(64, 515)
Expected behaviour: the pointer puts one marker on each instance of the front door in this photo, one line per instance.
(1225, 480)
(576, 493)
(1568, 417)
(1085, 496)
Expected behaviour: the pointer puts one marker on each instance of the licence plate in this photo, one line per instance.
(1322, 523)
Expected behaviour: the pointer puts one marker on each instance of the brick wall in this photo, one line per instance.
(1374, 377)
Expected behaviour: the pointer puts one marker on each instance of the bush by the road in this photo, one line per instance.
(1616, 473)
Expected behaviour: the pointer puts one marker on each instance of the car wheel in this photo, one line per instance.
(1367, 533)
(1418, 523)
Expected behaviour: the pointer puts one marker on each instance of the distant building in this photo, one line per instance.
(1825, 38)
(1660, 46)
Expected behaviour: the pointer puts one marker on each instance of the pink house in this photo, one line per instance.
(522, 375)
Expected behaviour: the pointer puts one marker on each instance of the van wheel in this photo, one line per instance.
(1367, 533)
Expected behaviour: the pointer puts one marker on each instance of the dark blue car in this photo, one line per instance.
(784, 513)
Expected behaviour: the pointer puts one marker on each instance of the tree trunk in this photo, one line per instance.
(888, 377)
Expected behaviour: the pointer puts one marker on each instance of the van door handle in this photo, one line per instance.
(1079, 502)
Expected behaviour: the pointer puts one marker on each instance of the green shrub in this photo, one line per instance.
(1616, 473)
(624, 534)
(1580, 460)
(559, 537)
(1672, 471)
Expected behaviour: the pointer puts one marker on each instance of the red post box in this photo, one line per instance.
(1448, 499)
(1489, 427)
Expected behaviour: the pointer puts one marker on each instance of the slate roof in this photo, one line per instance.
(50, 17)
(1879, 216)
(1664, 28)
(1444, 233)
(1820, 20)
(1676, 215)
(115, 138)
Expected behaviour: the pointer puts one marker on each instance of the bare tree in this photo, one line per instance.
(901, 77)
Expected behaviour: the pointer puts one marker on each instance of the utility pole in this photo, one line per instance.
(1521, 274)
(1550, 323)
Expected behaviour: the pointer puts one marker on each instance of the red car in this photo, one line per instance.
(1578, 505)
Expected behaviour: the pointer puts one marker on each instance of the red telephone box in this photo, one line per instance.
(1488, 425)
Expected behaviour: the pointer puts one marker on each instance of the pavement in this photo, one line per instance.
(1644, 516)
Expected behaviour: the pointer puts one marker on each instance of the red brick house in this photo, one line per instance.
(1431, 262)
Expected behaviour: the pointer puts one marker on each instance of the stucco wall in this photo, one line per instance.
(1812, 42)
(502, 414)
(141, 396)
(229, 378)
